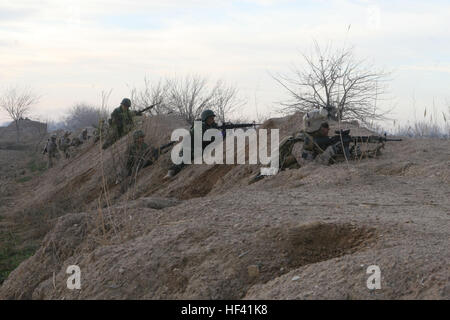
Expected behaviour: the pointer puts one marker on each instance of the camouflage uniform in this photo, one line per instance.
(52, 151)
(83, 136)
(76, 142)
(174, 169)
(320, 148)
(139, 155)
(121, 123)
(64, 144)
(101, 130)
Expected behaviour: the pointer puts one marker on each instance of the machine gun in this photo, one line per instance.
(345, 134)
(140, 112)
(345, 138)
(229, 125)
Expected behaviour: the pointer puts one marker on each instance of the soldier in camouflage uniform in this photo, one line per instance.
(101, 130)
(139, 154)
(83, 136)
(51, 149)
(318, 146)
(208, 122)
(64, 144)
(75, 142)
(121, 122)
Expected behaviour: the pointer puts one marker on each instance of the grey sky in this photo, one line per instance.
(69, 51)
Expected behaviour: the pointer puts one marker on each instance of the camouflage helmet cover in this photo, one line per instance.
(138, 134)
(126, 102)
(206, 114)
(314, 119)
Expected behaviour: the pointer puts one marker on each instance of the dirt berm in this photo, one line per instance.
(308, 233)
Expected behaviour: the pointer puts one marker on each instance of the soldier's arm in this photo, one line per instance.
(323, 142)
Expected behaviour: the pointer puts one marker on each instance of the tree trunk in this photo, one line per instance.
(17, 130)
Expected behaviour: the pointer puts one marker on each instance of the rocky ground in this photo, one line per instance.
(308, 233)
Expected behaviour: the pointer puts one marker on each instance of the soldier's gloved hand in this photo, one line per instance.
(335, 139)
(338, 148)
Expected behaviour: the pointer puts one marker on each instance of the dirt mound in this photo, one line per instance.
(205, 182)
(30, 131)
(197, 253)
(208, 234)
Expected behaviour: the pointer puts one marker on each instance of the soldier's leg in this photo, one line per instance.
(49, 161)
(290, 162)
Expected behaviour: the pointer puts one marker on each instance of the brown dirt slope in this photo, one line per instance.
(307, 233)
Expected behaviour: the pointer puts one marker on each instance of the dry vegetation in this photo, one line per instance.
(306, 233)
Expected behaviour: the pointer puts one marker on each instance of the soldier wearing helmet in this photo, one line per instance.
(64, 144)
(208, 122)
(139, 154)
(121, 122)
(317, 144)
(83, 135)
(52, 150)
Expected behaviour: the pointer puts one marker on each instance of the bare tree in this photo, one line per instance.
(150, 95)
(17, 103)
(189, 97)
(334, 78)
(225, 100)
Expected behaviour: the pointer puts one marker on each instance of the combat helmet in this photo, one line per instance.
(314, 119)
(126, 102)
(206, 114)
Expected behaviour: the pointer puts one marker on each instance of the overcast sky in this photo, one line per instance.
(69, 51)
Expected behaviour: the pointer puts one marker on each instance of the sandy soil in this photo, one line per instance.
(307, 233)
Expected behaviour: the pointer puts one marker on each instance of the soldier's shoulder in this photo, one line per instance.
(117, 110)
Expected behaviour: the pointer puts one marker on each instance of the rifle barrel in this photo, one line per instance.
(372, 139)
(237, 125)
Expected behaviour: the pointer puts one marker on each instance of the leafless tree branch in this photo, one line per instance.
(334, 78)
(17, 103)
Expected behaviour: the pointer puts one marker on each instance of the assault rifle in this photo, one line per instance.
(166, 146)
(229, 125)
(140, 112)
(154, 153)
(345, 138)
